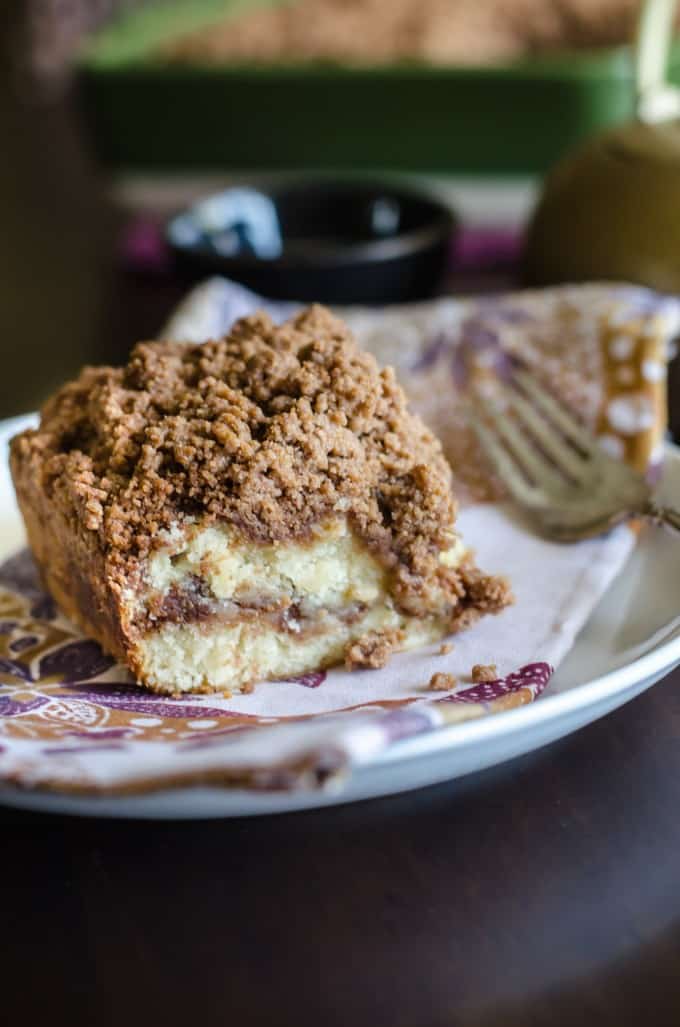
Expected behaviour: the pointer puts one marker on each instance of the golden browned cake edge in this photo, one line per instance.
(71, 565)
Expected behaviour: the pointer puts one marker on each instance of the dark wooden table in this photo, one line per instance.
(544, 892)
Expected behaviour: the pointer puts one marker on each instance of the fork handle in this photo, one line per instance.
(661, 514)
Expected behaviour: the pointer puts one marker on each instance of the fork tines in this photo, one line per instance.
(535, 444)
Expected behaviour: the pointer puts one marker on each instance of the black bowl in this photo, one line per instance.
(335, 242)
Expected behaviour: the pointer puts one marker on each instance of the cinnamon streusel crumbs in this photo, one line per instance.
(444, 649)
(441, 682)
(376, 31)
(372, 650)
(484, 672)
(271, 429)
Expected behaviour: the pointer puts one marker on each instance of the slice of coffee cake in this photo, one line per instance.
(251, 508)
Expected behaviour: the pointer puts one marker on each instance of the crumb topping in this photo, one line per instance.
(444, 649)
(270, 429)
(442, 682)
(373, 649)
(484, 672)
(376, 31)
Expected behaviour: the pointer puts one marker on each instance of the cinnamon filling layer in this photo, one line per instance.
(196, 604)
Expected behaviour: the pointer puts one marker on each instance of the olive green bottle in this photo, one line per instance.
(611, 210)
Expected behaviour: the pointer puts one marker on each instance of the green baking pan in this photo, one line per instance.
(143, 113)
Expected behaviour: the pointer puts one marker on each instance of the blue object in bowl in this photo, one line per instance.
(333, 242)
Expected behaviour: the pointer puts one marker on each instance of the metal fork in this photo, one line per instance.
(569, 487)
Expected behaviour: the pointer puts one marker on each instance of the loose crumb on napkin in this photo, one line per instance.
(441, 682)
(484, 672)
(444, 649)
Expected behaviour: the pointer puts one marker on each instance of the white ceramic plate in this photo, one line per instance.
(631, 641)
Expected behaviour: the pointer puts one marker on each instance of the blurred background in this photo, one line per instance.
(115, 115)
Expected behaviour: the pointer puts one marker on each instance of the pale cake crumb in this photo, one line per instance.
(441, 682)
(482, 672)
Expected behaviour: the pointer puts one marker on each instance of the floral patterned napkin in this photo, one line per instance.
(70, 719)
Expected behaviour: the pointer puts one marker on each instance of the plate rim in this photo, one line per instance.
(657, 661)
